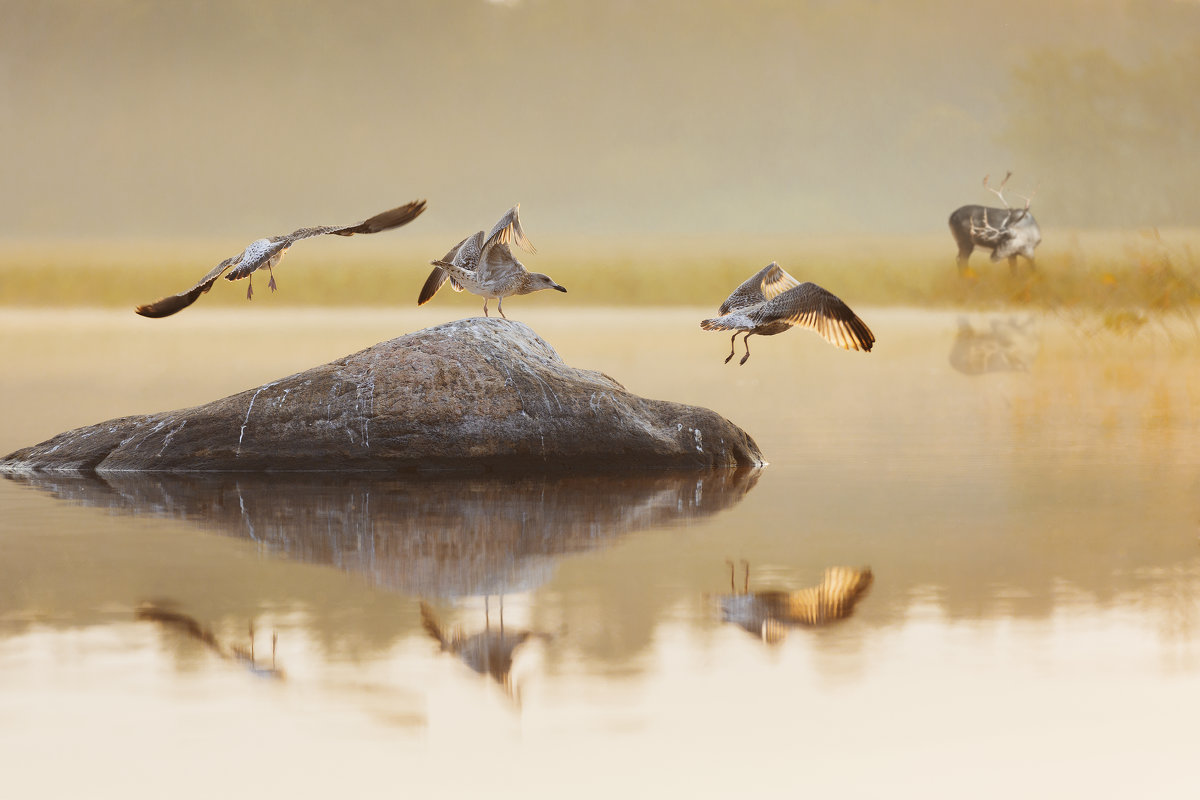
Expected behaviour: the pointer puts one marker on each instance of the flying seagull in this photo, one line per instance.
(266, 253)
(773, 301)
(486, 267)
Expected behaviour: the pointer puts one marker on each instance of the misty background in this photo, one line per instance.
(133, 118)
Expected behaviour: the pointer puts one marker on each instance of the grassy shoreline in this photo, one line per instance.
(1142, 271)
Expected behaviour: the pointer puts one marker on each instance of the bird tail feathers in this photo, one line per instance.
(720, 324)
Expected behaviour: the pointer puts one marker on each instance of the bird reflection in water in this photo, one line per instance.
(768, 614)
(191, 627)
(488, 652)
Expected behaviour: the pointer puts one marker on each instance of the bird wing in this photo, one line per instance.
(458, 248)
(466, 253)
(438, 276)
(508, 230)
(384, 221)
(497, 263)
(434, 282)
(833, 598)
(495, 260)
(393, 218)
(166, 306)
(769, 282)
(810, 306)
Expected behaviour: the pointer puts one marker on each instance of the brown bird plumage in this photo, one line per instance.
(486, 266)
(772, 301)
(266, 253)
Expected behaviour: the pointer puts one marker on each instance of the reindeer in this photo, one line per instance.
(1007, 232)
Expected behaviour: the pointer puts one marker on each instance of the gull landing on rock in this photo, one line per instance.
(266, 254)
(487, 267)
(772, 301)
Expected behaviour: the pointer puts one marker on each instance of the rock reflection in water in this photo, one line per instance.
(489, 652)
(768, 614)
(433, 537)
(168, 617)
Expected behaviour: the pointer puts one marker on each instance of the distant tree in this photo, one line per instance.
(1112, 145)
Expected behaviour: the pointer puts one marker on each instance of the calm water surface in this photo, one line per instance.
(1032, 629)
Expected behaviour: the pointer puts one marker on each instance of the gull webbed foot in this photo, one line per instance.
(732, 346)
(745, 341)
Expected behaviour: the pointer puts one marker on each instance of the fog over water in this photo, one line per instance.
(133, 119)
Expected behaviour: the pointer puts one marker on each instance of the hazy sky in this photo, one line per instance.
(199, 118)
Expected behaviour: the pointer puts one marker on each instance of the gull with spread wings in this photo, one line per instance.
(487, 267)
(266, 254)
(773, 301)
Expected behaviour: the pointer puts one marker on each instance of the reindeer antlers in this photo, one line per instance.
(1013, 216)
(999, 191)
(987, 233)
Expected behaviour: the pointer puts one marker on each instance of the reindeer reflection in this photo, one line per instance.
(1011, 345)
(189, 626)
(769, 614)
(487, 652)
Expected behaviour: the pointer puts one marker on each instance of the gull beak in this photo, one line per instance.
(559, 288)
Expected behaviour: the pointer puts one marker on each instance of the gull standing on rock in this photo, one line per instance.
(486, 267)
(266, 253)
(773, 301)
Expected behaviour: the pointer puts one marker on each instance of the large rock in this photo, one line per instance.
(480, 394)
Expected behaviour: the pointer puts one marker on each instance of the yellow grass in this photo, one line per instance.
(1117, 273)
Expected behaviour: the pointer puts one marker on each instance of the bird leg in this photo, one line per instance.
(485, 313)
(271, 283)
(500, 306)
(250, 288)
(732, 587)
(745, 341)
(731, 347)
(746, 577)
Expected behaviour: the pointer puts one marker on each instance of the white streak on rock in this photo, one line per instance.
(246, 421)
(170, 434)
(367, 407)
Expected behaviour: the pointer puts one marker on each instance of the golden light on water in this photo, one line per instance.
(1031, 533)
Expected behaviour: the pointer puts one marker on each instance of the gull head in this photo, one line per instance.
(538, 281)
